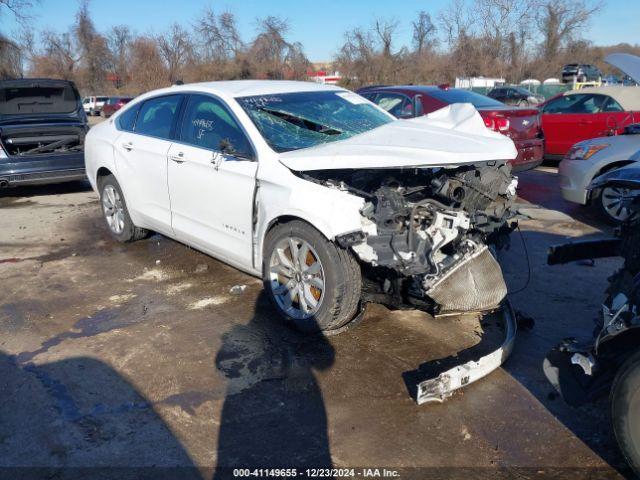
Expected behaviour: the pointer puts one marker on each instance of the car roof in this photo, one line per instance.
(627, 97)
(406, 88)
(247, 88)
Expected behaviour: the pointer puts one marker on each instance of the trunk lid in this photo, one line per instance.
(523, 123)
(40, 117)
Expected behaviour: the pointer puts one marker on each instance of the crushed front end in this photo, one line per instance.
(427, 234)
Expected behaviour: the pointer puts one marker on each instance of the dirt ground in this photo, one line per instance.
(139, 355)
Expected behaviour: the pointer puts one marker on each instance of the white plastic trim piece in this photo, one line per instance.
(440, 388)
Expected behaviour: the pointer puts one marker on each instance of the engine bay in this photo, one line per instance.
(427, 233)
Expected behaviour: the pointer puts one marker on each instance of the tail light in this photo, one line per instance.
(498, 124)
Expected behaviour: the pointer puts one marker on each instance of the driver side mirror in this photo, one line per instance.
(227, 148)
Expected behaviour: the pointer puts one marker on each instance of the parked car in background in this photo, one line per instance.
(579, 72)
(93, 105)
(42, 132)
(610, 80)
(579, 115)
(513, 95)
(113, 104)
(522, 125)
(591, 158)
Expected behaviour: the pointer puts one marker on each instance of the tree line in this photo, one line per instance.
(514, 39)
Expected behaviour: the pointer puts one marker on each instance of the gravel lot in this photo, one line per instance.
(138, 355)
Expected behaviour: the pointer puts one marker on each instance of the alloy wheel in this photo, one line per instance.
(113, 209)
(614, 203)
(297, 278)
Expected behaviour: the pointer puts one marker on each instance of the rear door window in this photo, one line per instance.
(611, 105)
(127, 119)
(396, 104)
(157, 115)
(207, 123)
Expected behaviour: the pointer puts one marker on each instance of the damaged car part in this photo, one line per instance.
(445, 384)
(611, 361)
(426, 233)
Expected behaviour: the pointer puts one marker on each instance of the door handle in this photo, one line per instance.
(127, 146)
(178, 158)
(585, 122)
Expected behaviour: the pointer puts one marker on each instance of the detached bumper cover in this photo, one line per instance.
(439, 388)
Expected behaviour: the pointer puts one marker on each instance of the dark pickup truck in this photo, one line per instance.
(42, 130)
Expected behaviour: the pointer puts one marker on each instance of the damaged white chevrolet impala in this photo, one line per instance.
(332, 201)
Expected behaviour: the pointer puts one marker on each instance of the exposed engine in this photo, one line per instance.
(427, 231)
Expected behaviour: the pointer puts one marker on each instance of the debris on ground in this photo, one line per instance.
(237, 289)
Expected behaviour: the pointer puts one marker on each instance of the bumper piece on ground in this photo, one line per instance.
(439, 388)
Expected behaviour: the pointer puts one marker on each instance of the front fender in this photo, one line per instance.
(332, 212)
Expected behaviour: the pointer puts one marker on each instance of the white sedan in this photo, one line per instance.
(324, 195)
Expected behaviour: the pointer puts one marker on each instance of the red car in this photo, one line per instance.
(522, 125)
(579, 115)
(113, 104)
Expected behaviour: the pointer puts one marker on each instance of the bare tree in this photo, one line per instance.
(386, 30)
(271, 53)
(559, 22)
(10, 59)
(119, 41)
(92, 48)
(176, 50)
(424, 32)
(219, 34)
(19, 9)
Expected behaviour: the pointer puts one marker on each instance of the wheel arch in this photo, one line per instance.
(593, 194)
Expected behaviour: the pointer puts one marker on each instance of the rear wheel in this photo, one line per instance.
(115, 212)
(625, 410)
(313, 283)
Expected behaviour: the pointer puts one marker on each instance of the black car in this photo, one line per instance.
(515, 96)
(42, 130)
(580, 72)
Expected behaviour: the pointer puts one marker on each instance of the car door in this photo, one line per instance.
(141, 160)
(212, 180)
(566, 120)
(614, 118)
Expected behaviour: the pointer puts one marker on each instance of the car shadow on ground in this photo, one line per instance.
(569, 300)
(273, 414)
(10, 193)
(79, 418)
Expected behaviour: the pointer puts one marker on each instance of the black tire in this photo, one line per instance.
(625, 396)
(342, 278)
(129, 232)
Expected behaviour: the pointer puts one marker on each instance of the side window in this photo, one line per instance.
(207, 123)
(156, 116)
(564, 104)
(611, 105)
(369, 96)
(397, 105)
(127, 119)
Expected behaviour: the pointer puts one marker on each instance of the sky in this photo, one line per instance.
(319, 25)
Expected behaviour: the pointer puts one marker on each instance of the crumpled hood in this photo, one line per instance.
(453, 135)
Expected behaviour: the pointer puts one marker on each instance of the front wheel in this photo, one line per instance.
(625, 410)
(611, 203)
(115, 212)
(313, 283)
